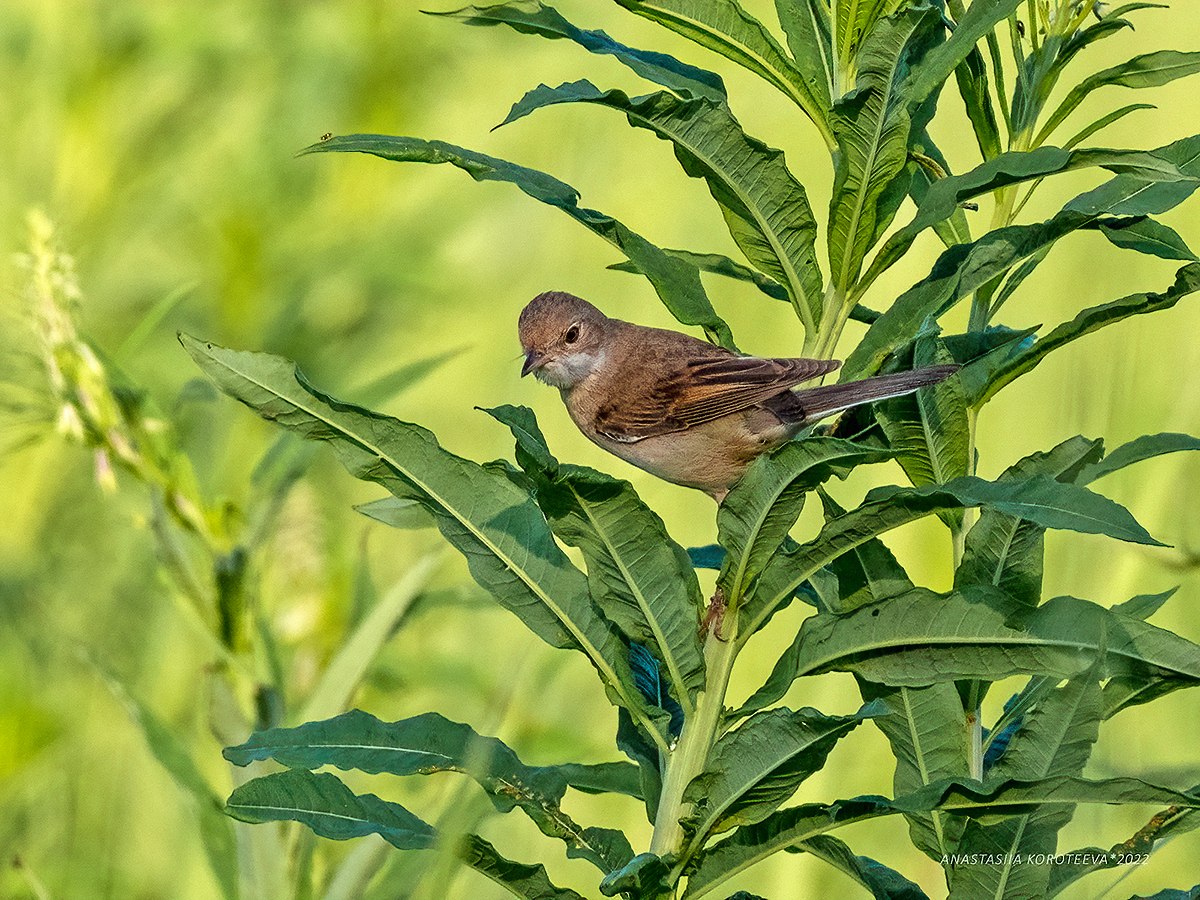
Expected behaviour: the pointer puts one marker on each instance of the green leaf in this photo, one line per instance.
(925, 638)
(602, 778)
(806, 24)
(723, 26)
(644, 875)
(963, 268)
(928, 430)
(676, 283)
(945, 195)
(1148, 70)
(520, 879)
(535, 18)
(429, 743)
(1146, 447)
(1055, 739)
(510, 549)
(1005, 551)
(331, 810)
(925, 728)
(1143, 606)
(322, 803)
(337, 683)
(940, 62)
(763, 506)
(1041, 500)
(872, 128)
(1187, 281)
(1103, 122)
(1145, 235)
(883, 882)
(972, 79)
(754, 843)
(765, 207)
(642, 580)
(758, 766)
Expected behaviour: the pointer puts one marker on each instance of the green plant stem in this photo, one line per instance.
(689, 757)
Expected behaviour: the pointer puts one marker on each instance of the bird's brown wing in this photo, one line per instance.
(704, 389)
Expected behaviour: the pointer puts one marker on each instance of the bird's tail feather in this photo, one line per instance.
(820, 402)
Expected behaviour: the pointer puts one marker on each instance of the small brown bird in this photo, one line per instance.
(685, 410)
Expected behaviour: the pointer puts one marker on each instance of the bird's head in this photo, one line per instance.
(563, 338)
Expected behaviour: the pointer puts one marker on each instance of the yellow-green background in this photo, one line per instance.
(159, 136)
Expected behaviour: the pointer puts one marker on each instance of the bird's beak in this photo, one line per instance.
(533, 360)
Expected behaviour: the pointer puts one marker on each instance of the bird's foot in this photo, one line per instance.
(714, 616)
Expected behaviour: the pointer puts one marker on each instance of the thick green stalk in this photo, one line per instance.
(699, 735)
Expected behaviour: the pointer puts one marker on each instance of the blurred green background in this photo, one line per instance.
(159, 137)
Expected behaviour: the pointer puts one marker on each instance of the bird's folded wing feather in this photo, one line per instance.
(704, 389)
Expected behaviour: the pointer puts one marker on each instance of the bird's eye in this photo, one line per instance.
(572, 334)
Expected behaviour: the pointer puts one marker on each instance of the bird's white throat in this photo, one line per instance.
(568, 370)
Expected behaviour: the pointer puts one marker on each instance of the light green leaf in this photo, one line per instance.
(765, 207)
(806, 24)
(1148, 70)
(397, 513)
(509, 547)
(723, 26)
(758, 766)
(535, 18)
(1146, 447)
(763, 506)
(641, 579)
(429, 743)
(677, 283)
(1187, 281)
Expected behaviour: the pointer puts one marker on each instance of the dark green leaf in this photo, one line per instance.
(1005, 551)
(641, 579)
(758, 766)
(1041, 500)
(534, 17)
(602, 778)
(1143, 606)
(1187, 281)
(866, 574)
(677, 283)
(520, 879)
(645, 874)
(1103, 122)
(1145, 235)
(924, 638)
(884, 883)
(1146, 447)
(723, 26)
(806, 24)
(763, 506)
(430, 743)
(1147, 70)
(765, 207)
(509, 547)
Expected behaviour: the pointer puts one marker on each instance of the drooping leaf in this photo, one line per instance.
(866, 574)
(644, 875)
(1187, 281)
(883, 882)
(536, 18)
(1145, 235)
(924, 638)
(1005, 551)
(527, 882)
(763, 506)
(676, 283)
(971, 77)
(758, 766)
(1041, 500)
(1146, 447)
(427, 744)
(509, 547)
(648, 676)
(764, 206)
(723, 26)
(641, 579)
(872, 128)
(1148, 70)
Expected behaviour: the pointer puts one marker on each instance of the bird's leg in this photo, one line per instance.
(714, 616)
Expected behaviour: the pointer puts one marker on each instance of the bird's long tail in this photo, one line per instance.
(820, 402)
